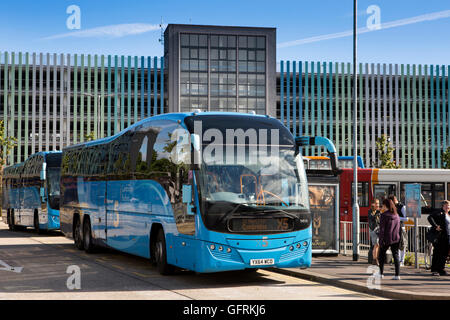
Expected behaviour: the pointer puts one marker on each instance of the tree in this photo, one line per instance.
(385, 153)
(6, 145)
(446, 158)
(90, 136)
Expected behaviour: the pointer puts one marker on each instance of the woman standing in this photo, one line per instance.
(389, 236)
(374, 226)
(438, 221)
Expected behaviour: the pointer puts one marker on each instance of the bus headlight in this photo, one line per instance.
(298, 245)
(228, 250)
(212, 247)
(305, 243)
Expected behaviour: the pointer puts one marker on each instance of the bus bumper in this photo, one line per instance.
(217, 257)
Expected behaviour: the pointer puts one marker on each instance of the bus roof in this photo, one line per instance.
(165, 116)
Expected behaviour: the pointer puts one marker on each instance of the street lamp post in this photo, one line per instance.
(355, 210)
(99, 106)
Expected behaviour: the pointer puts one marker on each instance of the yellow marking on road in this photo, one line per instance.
(145, 275)
(118, 267)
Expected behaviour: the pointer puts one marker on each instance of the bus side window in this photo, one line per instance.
(170, 175)
(363, 194)
(439, 195)
(141, 152)
(448, 191)
(119, 164)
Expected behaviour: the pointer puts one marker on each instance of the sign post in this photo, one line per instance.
(413, 210)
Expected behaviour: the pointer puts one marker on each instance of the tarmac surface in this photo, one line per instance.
(43, 270)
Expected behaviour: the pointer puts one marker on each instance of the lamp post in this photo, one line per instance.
(355, 210)
(99, 106)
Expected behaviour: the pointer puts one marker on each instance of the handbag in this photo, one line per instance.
(432, 235)
(403, 239)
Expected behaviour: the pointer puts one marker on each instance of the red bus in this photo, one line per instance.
(380, 183)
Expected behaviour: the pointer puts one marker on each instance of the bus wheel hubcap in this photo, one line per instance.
(159, 252)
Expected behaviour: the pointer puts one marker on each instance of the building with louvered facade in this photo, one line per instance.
(49, 101)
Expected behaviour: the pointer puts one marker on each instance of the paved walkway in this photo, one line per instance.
(342, 272)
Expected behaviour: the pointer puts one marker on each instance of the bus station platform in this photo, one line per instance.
(341, 271)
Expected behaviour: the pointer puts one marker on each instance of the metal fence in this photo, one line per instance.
(346, 236)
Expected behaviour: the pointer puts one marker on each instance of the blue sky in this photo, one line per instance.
(40, 26)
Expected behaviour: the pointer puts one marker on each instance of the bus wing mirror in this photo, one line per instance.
(321, 141)
(187, 193)
(334, 162)
(42, 193)
(43, 171)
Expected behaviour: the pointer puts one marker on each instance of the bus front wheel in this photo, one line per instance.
(160, 255)
(77, 236)
(87, 236)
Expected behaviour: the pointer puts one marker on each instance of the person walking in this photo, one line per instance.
(389, 235)
(374, 226)
(438, 221)
(401, 210)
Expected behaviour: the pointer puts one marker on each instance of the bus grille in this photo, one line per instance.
(296, 253)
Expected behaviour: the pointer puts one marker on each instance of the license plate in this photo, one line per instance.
(261, 262)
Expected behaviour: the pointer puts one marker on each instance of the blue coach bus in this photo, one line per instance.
(30, 194)
(185, 190)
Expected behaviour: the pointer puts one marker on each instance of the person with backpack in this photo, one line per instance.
(438, 221)
(389, 236)
(401, 211)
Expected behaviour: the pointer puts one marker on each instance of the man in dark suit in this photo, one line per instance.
(440, 248)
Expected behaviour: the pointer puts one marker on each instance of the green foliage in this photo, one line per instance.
(90, 136)
(409, 259)
(385, 153)
(7, 143)
(446, 158)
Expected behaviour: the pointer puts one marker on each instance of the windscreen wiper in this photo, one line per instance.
(293, 216)
(229, 213)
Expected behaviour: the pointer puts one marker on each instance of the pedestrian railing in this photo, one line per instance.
(346, 236)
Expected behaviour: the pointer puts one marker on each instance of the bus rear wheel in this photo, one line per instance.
(12, 220)
(77, 236)
(36, 223)
(8, 218)
(160, 255)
